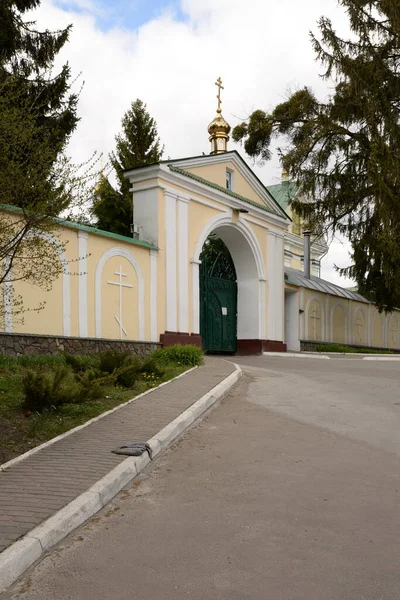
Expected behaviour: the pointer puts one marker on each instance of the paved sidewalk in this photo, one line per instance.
(37, 487)
(264, 499)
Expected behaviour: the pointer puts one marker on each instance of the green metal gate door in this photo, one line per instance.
(218, 299)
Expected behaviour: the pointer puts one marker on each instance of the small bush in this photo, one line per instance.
(91, 385)
(189, 355)
(341, 348)
(110, 360)
(8, 363)
(127, 377)
(128, 374)
(46, 388)
(15, 363)
(80, 364)
(152, 366)
(32, 361)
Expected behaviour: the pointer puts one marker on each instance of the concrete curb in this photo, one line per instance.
(381, 357)
(25, 455)
(23, 553)
(295, 355)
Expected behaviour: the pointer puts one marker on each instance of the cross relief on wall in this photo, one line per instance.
(314, 316)
(120, 285)
(360, 329)
(393, 333)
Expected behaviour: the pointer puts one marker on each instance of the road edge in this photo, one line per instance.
(13, 461)
(22, 554)
(295, 355)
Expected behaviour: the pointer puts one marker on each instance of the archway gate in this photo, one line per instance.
(218, 298)
(178, 204)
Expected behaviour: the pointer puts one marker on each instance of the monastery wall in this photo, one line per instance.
(329, 318)
(104, 291)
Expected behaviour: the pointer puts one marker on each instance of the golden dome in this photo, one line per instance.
(219, 125)
(218, 128)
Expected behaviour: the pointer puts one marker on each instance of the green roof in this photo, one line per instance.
(93, 230)
(220, 188)
(283, 192)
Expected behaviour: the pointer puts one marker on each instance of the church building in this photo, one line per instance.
(217, 259)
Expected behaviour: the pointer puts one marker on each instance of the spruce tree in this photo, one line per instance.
(112, 211)
(138, 144)
(345, 151)
(37, 116)
(27, 57)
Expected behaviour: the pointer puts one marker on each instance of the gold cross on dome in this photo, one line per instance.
(220, 87)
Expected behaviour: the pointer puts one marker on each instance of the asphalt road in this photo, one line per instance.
(289, 490)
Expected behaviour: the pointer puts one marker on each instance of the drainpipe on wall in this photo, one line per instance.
(307, 253)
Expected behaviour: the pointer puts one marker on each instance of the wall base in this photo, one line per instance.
(243, 348)
(249, 347)
(169, 338)
(16, 344)
(274, 346)
(311, 346)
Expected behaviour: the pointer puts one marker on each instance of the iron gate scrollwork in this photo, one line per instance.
(218, 297)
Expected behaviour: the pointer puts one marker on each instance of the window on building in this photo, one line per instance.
(229, 179)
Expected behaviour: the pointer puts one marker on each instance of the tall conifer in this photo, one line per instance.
(138, 144)
(345, 151)
(27, 57)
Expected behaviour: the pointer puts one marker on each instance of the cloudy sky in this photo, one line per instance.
(169, 54)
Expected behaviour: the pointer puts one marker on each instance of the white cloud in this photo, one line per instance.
(259, 48)
(338, 256)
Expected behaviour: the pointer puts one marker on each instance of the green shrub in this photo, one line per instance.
(189, 355)
(152, 366)
(14, 363)
(46, 388)
(343, 349)
(110, 360)
(52, 387)
(80, 364)
(40, 360)
(91, 385)
(8, 363)
(134, 369)
(127, 376)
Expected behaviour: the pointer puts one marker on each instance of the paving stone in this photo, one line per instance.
(42, 484)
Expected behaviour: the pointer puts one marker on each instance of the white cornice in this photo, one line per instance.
(150, 172)
(243, 169)
(162, 173)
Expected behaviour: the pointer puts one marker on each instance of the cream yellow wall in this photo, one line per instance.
(296, 254)
(314, 316)
(341, 320)
(377, 338)
(110, 300)
(49, 320)
(338, 333)
(393, 330)
(202, 212)
(359, 323)
(96, 247)
(161, 316)
(64, 302)
(217, 174)
(199, 216)
(261, 235)
(296, 263)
